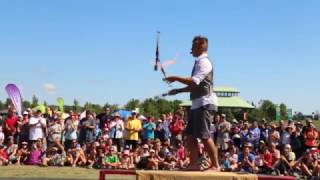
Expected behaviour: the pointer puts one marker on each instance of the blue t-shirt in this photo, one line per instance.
(245, 167)
(148, 130)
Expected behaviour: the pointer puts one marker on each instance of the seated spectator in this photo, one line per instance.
(126, 161)
(1, 136)
(56, 156)
(266, 166)
(224, 161)
(11, 150)
(232, 156)
(182, 158)
(92, 155)
(35, 154)
(246, 160)
(76, 155)
(145, 152)
(286, 162)
(111, 160)
(23, 153)
(170, 162)
(3, 156)
(275, 154)
(152, 161)
(308, 164)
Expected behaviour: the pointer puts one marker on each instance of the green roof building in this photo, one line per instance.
(228, 97)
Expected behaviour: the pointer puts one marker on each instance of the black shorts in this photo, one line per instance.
(199, 121)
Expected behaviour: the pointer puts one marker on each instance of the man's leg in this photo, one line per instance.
(193, 149)
(213, 152)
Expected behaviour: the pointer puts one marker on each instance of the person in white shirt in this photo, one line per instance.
(204, 103)
(37, 127)
(117, 128)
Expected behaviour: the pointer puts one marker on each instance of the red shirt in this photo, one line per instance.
(181, 154)
(11, 122)
(3, 153)
(268, 158)
(177, 127)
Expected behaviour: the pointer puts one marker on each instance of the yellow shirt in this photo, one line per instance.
(130, 125)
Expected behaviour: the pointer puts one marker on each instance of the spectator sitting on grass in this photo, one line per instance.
(111, 160)
(11, 150)
(56, 156)
(246, 159)
(3, 156)
(23, 153)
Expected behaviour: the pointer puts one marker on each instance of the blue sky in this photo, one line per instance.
(102, 51)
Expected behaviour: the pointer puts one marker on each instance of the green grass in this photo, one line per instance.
(317, 123)
(48, 172)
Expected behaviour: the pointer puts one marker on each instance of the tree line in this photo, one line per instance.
(265, 109)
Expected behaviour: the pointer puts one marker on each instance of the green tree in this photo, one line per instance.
(228, 113)
(132, 104)
(114, 107)
(298, 116)
(26, 104)
(1, 105)
(35, 101)
(255, 115)
(283, 111)
(76, 106)
(268, 110)
(8, 103)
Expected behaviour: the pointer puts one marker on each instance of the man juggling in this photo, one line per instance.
(204, 104)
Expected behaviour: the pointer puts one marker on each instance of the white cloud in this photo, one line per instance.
(50, 88)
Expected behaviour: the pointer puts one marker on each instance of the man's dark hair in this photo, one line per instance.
(202, 41)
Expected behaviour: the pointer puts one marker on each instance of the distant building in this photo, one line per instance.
(228, 97)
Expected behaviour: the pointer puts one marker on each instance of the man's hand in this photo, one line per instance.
(171, 79)
(173, 92)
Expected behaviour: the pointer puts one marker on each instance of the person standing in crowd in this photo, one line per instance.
(176, 128)
(204, 103)
(255, 133)
(274, 135)
(37, 128)
(71, 128)
(10, 124)
(133, 127)
(311, 135)
(104, 118)
(87, 127)
(148, 129)
(22, 129)
(223, 135)
(55, 131)
(117, 129)
(164, 126)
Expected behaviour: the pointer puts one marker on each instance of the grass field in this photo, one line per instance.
(317, 123)
(35, 172)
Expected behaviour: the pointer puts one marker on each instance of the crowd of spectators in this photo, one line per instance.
(137, 142)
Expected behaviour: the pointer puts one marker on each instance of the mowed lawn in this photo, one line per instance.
(48, 172)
